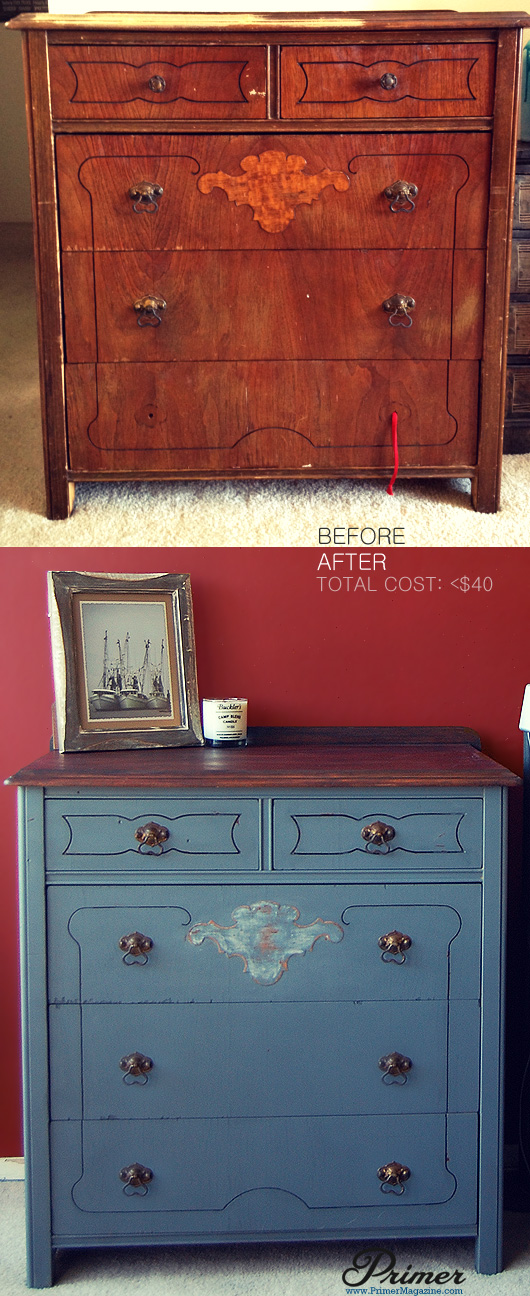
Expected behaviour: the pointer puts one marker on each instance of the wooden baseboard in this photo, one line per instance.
(11, 1168)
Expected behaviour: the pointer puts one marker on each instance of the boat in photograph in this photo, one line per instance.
(105, 697)
(132, 696)
(124, 689)
(158, 697)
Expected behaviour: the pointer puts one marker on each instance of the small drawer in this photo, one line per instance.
(305, 1171)
(520, 266)
(179, 1061)
(519, 328)
(518, 392)
(380, 834)
(158, 82)
(387, 81)
(191, 835)
(521, 213)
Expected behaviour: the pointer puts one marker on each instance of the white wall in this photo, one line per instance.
(15, 203)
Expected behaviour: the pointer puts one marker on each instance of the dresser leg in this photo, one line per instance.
(485, 492)
(40, 1265)
(488, 1254)
(60, 500)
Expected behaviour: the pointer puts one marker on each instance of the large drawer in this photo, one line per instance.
(261, 1174)
(387, 81)
(312, 305)
(202, 834)
(262, 942)
(312, 835)
(137, 192)
(262, 1059)
(271, 417)
(157, 81)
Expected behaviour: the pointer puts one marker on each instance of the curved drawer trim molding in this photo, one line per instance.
(327, 1163)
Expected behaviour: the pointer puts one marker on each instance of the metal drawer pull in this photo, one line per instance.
(136, 1067)
(136, 947)
(157, 84)
(144, 195)
(395, 1067)
(394, 1176)
(148, 308)
(388, 81)
(378, 834)
(400, 195)
(397, 307)
(135, 1179)
(153, 836)
(393, 943)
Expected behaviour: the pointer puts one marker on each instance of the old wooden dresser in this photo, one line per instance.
(260, 238)
(284, 1019)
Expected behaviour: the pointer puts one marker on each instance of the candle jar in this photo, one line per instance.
(224, 721)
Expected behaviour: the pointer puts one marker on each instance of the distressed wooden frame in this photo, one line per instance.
(77, 730)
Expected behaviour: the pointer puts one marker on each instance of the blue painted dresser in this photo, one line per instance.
(263, 992)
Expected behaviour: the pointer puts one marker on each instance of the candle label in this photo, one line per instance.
(225, 719)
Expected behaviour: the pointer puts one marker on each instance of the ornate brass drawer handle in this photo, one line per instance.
(144, 195)
(148, 310)
(398, 307)
(136, 1179)
(378, 834)
(157, 84)
(135, 947)
(395, 1067)
(388, 81)
(400, 195)
(152, 836)
(136, 1067)
(394, 1176)
(392, 944)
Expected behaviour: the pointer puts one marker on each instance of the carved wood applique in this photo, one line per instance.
(273, 185)
(265, 935)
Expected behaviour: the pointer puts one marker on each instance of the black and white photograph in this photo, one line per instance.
(126, 673)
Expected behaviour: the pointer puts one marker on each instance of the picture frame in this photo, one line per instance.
(123, 655)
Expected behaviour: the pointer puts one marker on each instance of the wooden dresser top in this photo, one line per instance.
(338, 759)
(413, 21)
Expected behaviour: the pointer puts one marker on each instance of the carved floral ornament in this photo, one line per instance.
(265, 935)
(273, 185)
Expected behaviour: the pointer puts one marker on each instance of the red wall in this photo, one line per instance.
(302, 656)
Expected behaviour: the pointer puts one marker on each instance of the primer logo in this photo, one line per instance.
(368, 1267)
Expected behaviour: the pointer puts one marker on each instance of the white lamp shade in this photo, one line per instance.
(524, 722)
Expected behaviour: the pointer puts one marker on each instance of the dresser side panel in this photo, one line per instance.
(486, 487)
(35, 1037)
(490, 1181)
(49, 313)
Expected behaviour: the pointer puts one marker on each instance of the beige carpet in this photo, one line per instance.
(274, 1270)
(216, 513)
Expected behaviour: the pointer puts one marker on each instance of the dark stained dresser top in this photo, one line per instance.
(338, 759)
